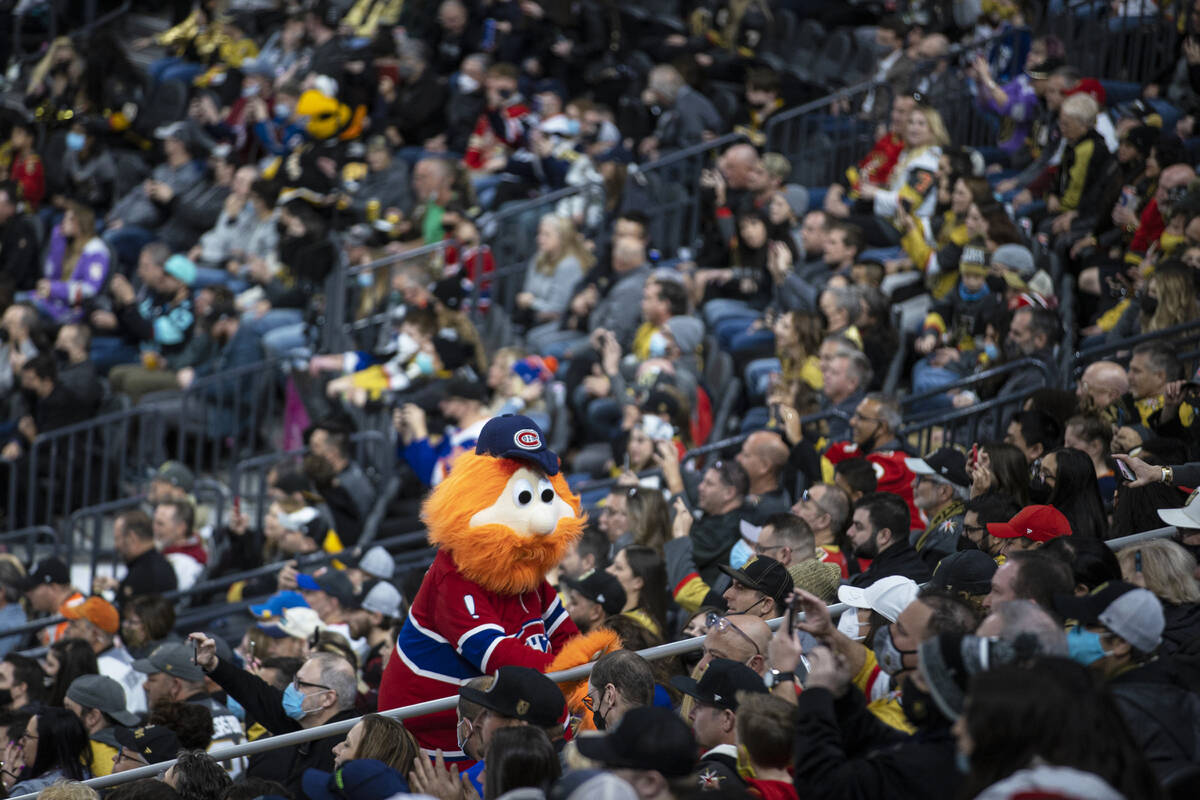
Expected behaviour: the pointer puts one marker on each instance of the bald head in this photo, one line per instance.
(763, 455)
(743, 638)
(1102, 384)
(935, 45)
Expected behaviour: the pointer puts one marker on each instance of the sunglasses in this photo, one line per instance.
(715, 622)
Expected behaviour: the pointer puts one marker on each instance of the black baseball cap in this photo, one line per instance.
(967, 571)
(466, 389)
(1044, 69)
(945, 463)
(763, 574)
(48, 570)
(521, 693)
(647, 737)
(602, 588)
(517, 437)
(332, 582)
(155, 743)
(720, 683)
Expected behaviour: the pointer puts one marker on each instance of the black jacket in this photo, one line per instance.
(1182, 628)
(1162, 715)
(149, 573)
(843, 751)
(264, 703)
(899, 559)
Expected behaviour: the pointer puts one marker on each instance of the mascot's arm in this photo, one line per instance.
(474, 628)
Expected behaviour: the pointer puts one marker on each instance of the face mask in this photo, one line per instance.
(848, 625)
(424, 362)
(965, 543)
(1149, 305)
(467, 84)
(972, 296)
(4, 335)
(919, 706)
(235, 708)
(504, 94)
(6, 698)
(282, 111)
(658, 345)
(250, 91)
(962, 762)
(1039, 491)
(293, 703)
(75, 141)
(365, 279)
(740, 554)
(992, 352)
(572, 127)
(598, 719)
(406, 345)
(62, 355)
(1084, 646)
(890, 657)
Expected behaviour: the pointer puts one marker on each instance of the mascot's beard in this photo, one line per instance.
(504, 561)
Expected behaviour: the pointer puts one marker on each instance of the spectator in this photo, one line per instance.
(587, 554)
(763, 456)
(22, 682)
(826, 509)
(560, 262)
(53, 748)
(149, 744)
(874, 426)
(97, 622)
(76, 372)
(686, 117)
(845, 376)
(99, 703)
(381, 738)
(339, 479)
(48, 589)
(941, 487)
(620, 682)
(1070, 479)
(191, 723)
(18, 243)
(521, 758)
(174, 534)
(146, 622)
(894, 67)
(978, 513)
(77, 264)
(722, 495)
(1034, 333)
(1102, 384)
(330, 594)
(18, 325)
(878, 532)
(1030, 576)
(65, 661)
(195, 776)
(53, 407)
(642, 575)
(653, 748)
(1167, 569)
(760, 588)
(764, 726)
(1093, 436)
(12, 613)
(714, 716)
(463, 405)
(1034, 433)
(147, 570)
(649, 518)
(592, 598)
(325, 684)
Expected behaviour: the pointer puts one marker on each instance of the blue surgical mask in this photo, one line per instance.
(1084, 646)
(424, 362)
(572, 127)
(235, 708)
(366, 279)
(282, 111)
(293, 702)
(993, 352)
(740, 554)
(75, 141)
(658, 345)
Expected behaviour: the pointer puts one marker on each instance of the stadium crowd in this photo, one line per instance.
(854, 411)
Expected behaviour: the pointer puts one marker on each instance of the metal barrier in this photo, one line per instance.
(28, 537)
(1178, 336)
(1131, 48)
(363, 327)
(975, 381)
(979, 423)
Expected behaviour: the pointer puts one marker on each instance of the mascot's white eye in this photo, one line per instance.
(522, 493)
(545, 491)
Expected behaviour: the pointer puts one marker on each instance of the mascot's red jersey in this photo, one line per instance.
(501, 519)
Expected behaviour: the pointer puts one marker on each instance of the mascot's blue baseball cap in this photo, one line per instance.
(517, 437)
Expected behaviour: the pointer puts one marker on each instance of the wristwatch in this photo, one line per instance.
(774, 677)
(1168, 476)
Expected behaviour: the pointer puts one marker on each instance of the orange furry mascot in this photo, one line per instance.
(501, 519)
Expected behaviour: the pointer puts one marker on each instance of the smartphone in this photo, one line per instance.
(974, 461)
(195, 653)
(1126, 473)
(791, 617)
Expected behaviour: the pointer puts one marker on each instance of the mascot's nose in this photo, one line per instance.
(543, 519)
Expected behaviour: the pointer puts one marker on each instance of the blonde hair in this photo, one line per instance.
(571, 244)
(1176, 300)
(85, 222)
(1168, 570)
(68, 790)
(937, 127)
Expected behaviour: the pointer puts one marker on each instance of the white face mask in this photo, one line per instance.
(848, 624)
(467, 84)
(406, 346)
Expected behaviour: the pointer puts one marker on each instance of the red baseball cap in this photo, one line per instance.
(1036, 523)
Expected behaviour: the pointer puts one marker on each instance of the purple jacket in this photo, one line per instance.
(1017, 111)
(67, 296)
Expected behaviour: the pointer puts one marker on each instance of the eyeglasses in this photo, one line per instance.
(588, 702)
(759, 550)
(299, 684)
(974, 531)
(608, 511)
(807, 497)
(715, 622)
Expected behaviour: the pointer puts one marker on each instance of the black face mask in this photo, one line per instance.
(919, 706)
(1149, 305)
(4, 335)
(62, 355)
(598, 719)
(6, 698)
(965, 543)
(1039, 491)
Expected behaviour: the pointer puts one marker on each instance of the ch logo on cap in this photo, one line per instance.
(527, 439)
(522, 707)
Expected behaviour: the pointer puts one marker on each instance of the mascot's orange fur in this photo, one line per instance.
(501, 519)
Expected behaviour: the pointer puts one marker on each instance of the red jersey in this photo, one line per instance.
(891, 473)
(497, 130)
(457, 630)
(772, 790)
(877, 165)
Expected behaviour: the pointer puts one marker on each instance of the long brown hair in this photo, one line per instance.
(85, 223)
(388, 741)
(649, 518)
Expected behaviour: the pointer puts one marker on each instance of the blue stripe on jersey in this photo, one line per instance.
(431, 658)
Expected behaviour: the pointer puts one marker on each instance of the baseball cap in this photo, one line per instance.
(1036, 523)
(647, 737)
(378, 563)
(332, 582)
(48, 570)
(601, 588)
(967, 571)
(466, 389)
(102, 692)
(276, 603)
(298, 622)
(521, 693)
(948, 660)
(1186, 517)
(763, 574)
(97, 611)
(1130, 612)
(720, 683)
(750, 532)
(155, 743)
(889, 596)
(1043, 70)
(518, 437)
(592, 784)
(1015, 257)
(177, 475)
(687, 331)
(360, 779)
(382, 598)
(182, 268)
(945, 462)
(173, 659)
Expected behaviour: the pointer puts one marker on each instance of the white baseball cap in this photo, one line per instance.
(889, 596)
(1186, 517)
